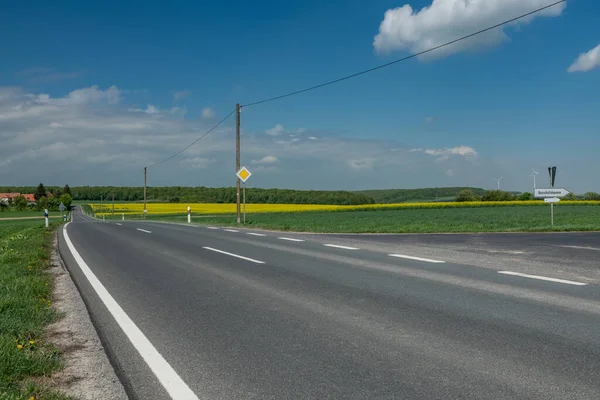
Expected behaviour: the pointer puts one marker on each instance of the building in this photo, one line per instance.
(7, 197)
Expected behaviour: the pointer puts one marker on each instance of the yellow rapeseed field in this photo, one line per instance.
(219, 208)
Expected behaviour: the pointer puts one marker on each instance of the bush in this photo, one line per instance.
(525, 196)
(465, 195)
(20, 203)
(497, 195)
(591, 196)
(66, 200)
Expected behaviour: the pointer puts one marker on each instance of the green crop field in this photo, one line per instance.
(488, 219)
(25, 307)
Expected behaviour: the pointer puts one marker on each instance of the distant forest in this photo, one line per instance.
(182, 194)
(202, 194)
(412, 195)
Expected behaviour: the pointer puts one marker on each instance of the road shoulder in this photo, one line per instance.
(88, 373)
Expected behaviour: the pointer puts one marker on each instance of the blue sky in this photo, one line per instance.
(129, 83)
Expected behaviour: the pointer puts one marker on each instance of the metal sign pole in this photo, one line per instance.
(244, 202)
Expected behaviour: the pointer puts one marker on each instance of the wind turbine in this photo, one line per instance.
(498, 180)
(533, 173)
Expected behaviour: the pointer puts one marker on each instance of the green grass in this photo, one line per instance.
(25, 309)
(489, 219)
(27, 213)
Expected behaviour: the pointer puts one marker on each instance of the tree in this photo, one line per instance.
(40, 192)
(465, 195)
(525, 196)
(20, 203)
(497, 195)
(591, 196)
(66, 199)
(42, 203)
(67, 190)
(3, 206)
(570, 196)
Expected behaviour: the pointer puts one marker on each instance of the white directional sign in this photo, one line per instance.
(560, 192)
(551, 199)
(244, 174)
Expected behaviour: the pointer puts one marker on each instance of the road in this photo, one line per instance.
(213, 313)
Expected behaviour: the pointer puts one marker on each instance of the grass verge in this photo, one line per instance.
(26, 357)
(436, 220)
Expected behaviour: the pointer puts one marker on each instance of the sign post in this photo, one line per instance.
(46, 217)
(189, 215)
(551, 195)
(244, 174)
(62, 208)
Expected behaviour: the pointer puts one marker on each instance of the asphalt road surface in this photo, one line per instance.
(190, 312)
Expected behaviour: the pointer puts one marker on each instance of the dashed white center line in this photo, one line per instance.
(234, 255)
(429, 260)
(290, 239)
(337, 246)
(230, 230)
(255, 234)
(212, 227)
(143, 230)
(542, 278)
(580, 247)
(119, 224)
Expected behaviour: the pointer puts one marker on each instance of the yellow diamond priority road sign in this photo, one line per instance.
(244, 174)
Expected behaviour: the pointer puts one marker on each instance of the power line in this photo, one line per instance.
(194, 142)
(404, 58)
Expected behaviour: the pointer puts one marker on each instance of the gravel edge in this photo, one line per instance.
(88, 373)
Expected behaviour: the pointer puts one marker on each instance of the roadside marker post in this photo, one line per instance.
(189, 215)
(46, 217)
(243, 174)
(123, 216)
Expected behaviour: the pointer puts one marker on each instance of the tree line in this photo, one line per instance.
(45, 198)
(499, 195)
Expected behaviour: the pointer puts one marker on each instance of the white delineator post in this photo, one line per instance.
(123, 216)
(189, 215)
(46, 217)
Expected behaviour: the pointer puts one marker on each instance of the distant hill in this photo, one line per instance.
(415, 195)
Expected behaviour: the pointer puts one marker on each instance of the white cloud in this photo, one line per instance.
(464, 151)
(586, 61)
(198, 162)
(312, 138)
(276, 130)
(266, 160)
(361, 164)
(151, 109)
(450, 172)
(429, 119)
(410, 30)
(181, 94)
(208, 113)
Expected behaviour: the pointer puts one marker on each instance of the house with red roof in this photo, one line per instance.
(7, 197)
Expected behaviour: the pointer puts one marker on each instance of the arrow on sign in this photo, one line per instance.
(560, 192)
(551, 199)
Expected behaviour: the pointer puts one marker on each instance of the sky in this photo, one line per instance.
(92, 92)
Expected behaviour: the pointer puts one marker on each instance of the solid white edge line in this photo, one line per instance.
(579, 247)
(234, 255)
(542, 278)
(337, 246)
(291, 239)
(429, 260)
(143, 230)
(166, 375)
(230, 230)
(255, 234)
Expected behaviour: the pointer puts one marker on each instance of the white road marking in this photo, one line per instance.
(290, 239)
(230, 230)
(429, 260)
(337, 246)
(543, 278)
(166, 375)
(212, 227)
(119, 224)
(234, 255)
(143, 230)
(580, 247)
(255, 234)
(506, 251)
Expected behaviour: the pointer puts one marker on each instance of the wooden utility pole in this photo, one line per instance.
(237, 159)
(145, 211)
(113, 210)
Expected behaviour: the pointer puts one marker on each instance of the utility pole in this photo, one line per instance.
(145, 211)
(113, 210)
(237, 159)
